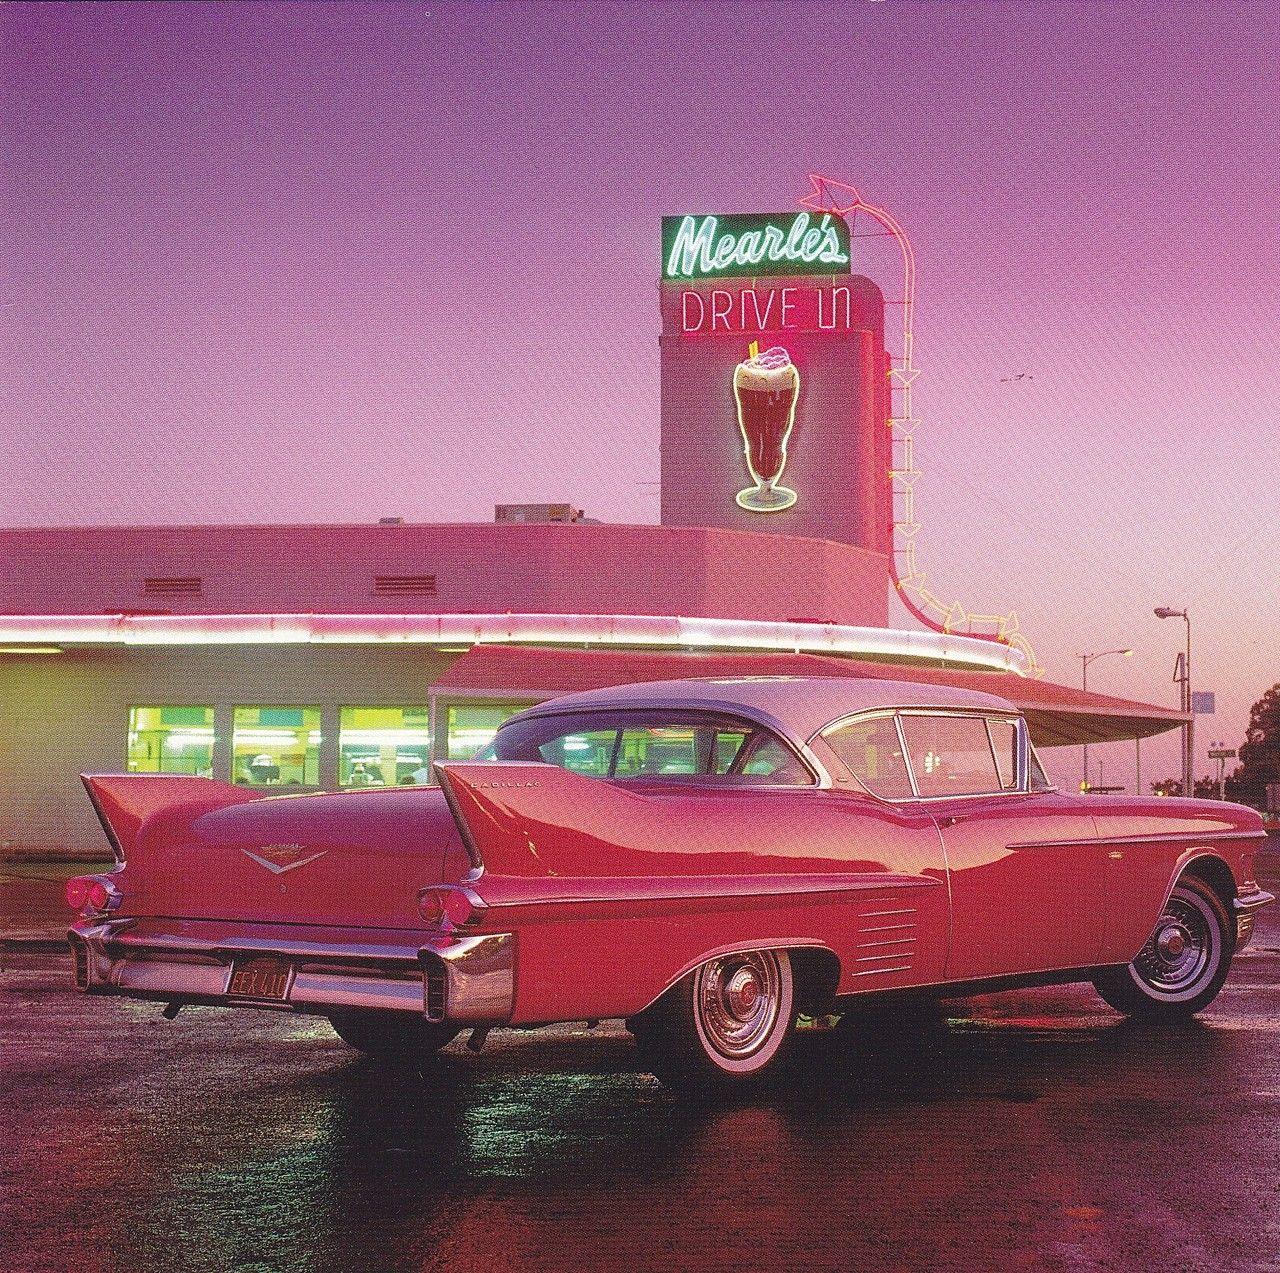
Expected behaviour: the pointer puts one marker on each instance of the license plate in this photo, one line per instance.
(259, 978)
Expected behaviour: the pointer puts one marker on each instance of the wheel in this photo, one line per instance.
(388, 1037)
(1184, 963)
(726, 1025)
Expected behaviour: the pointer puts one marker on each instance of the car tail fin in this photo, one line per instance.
(123, 802)
(502, 809)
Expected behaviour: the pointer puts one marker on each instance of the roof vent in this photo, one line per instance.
(172, 585)
(404, 585)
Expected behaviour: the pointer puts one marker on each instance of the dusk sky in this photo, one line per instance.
(300, 263)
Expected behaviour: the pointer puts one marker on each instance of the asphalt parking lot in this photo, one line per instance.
(1028, 1130)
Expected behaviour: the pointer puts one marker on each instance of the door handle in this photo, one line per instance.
(950, 819)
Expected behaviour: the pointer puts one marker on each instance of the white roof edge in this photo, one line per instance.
(481, 629)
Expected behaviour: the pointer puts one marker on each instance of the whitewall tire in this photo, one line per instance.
(727, 1024)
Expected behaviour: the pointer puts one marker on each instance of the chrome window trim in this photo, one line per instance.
(983, 713)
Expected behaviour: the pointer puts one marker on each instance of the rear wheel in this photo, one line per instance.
(1184, 963)
(726, 1025)
(389, 1037)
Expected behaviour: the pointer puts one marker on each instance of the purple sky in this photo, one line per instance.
(309, 263)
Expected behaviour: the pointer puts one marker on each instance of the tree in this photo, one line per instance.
(1206, 788)
(1259, 753)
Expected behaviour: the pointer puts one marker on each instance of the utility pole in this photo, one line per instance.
(1085, 660)
(1182, 674)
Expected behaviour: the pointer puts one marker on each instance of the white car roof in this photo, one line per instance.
(800, 705)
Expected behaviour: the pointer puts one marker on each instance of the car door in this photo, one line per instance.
(1027, 874)
(897, 942)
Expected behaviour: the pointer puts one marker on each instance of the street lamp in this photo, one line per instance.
(1184, 678)
(1085, 660)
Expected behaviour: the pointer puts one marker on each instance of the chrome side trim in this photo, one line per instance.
(863, 885)
(1167, 837)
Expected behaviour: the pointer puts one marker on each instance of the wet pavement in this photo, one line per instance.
(1030, 1130)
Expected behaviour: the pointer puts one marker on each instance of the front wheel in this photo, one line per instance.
(1184, 963)
(726, 1025)
(391, 1036)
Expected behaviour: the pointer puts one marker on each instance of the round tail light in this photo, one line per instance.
(78, 891)
(447, 906)
(92, 894)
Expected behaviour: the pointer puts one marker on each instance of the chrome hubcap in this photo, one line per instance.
(737, 1001)
(1180, 949)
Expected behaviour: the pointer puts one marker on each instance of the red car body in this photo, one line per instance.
(521, 892)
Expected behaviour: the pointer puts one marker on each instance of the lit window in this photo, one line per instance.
(472, 726)
(384, 747)
(171, 740)
(276, 746)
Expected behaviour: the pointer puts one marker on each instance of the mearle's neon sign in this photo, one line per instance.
(754, 244)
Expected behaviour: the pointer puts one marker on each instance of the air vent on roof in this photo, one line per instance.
(172, 585)
(404, 585)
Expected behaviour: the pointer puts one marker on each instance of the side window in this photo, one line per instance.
(873, 753)
(1039, 780)
(768, 758)
(951, 755)
(1004, 743)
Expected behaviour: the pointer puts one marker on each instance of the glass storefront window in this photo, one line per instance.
(384, 747)
(276, 746)
(171, 740)
(471, 726)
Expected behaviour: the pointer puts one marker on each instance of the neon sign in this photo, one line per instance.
(751, 245)
(766, 388)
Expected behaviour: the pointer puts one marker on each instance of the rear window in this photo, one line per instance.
(652, 746)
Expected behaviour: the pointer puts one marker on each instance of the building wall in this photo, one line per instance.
(67, 714)
(449, 569)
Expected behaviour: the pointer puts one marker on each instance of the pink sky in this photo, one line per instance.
(309, 263)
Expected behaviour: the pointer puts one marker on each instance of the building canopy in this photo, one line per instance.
(1057, 715)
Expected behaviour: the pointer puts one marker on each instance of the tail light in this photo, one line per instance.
(449, 906)
(92, 894)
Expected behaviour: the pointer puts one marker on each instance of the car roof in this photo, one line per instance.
(800, 705)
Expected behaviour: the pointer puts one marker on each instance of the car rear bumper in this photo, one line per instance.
(1246, 906)
(466, 979)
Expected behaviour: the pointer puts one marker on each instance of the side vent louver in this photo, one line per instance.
(172, 585)
(404, 585)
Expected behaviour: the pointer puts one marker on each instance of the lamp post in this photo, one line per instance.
(1085, 660)
(1188, 730)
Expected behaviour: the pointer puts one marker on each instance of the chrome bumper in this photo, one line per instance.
(469, 980)
(1245, 906)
